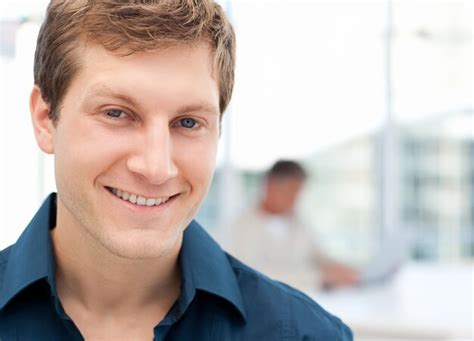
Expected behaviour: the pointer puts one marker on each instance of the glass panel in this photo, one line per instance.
(432, 57)
(309, 75)
(433, 86)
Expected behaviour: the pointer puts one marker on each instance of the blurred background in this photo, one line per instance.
(374, 97)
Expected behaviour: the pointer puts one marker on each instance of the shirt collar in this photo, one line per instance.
(205, 266)
(31, 258)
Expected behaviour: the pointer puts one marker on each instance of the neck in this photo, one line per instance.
(100, 282)
(267, 208)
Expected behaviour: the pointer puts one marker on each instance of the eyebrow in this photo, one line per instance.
(104, 91)
(201, 106)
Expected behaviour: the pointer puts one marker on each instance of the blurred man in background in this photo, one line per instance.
(275, 240)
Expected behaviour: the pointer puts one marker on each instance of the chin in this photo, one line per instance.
(140, 245)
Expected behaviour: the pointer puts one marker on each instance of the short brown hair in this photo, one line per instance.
(130, 26)
(287, 169)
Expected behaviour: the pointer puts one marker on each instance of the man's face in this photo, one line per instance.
(283, 192)
(131, 130)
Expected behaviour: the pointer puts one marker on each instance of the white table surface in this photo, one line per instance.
(423, 301)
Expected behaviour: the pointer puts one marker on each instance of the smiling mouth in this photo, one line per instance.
(138, 199)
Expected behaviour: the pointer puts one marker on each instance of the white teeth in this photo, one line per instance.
(139, 200)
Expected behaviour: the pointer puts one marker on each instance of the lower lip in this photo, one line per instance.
(143, 208)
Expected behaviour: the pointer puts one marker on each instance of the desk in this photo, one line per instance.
(421, 302)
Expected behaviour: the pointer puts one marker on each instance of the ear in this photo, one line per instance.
(42, 124)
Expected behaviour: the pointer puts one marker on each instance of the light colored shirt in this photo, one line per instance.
(279, 246)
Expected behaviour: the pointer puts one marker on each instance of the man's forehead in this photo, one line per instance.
(286, 180)
(103, 74)
(87, 51)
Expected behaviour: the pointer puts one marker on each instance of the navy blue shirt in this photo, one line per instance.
(220, 299)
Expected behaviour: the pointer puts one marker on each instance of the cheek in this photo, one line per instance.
(197, 160)
(83, 148)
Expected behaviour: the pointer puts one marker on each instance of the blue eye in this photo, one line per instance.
(188, 123)
(115, 113)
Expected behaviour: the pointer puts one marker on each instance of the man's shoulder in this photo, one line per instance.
(281, 304)
(3, 263)
(4, 254)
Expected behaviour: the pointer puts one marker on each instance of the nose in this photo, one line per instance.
(153, 156)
